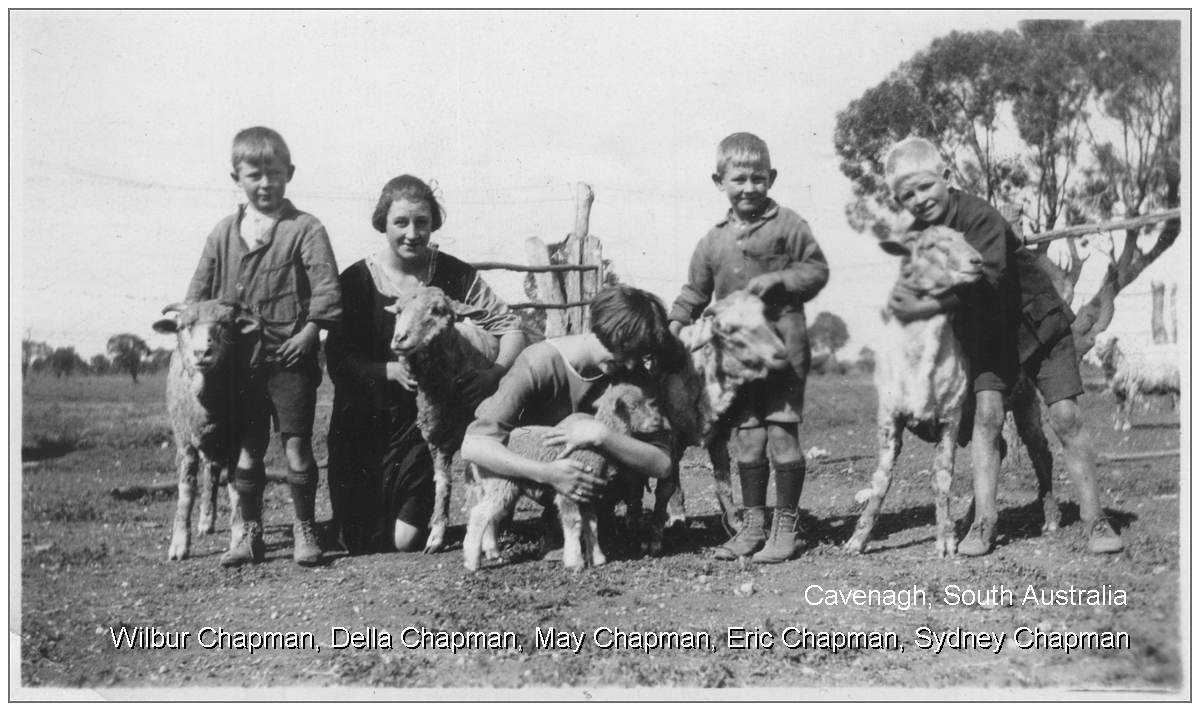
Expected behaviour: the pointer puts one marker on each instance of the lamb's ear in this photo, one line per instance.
(393, 307)
(894, 248)
(697, 335)
(165, 325)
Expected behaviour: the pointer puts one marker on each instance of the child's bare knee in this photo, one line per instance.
(989, 413)
(1066, 418)
(750, 443)
(784, 442)
(299, 452)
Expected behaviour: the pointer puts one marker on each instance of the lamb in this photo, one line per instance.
(439, 348)
(211, 345)
(731, 344)
(921, 375)
(1150, 370)
(625, 407)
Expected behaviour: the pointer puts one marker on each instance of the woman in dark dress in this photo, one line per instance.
(380, 470)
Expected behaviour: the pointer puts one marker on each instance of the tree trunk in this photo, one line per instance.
(1097, 313)
(1173, 313)
(1157, 329)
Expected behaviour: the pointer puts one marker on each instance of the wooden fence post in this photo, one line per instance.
(549, 291)
(574, 250)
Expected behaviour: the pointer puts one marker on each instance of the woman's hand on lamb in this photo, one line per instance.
(576, 432)
(479, 384)
(573, 479)
(397, 372)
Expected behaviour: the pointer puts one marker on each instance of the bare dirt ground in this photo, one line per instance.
(93, 560)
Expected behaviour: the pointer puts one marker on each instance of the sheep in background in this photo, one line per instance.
(921, 376)
(624, 407)
(439, 348)
(731, 344)
(1147, 370)
(210, 348)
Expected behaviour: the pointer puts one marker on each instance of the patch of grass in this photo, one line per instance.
(66, 512)
(55, 557)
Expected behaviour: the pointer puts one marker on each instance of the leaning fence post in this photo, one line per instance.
(573, 251)
(549, 292)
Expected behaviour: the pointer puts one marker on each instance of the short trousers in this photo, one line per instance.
(777, 398)
(286, 395)
(1055, 369)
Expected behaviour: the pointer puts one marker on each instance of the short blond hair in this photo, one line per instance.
(911, 156)
(742, 149)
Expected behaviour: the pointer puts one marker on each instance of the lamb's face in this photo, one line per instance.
(634, 405)
(207, 332)
(936, 259)
(747, 342)
(420, 318)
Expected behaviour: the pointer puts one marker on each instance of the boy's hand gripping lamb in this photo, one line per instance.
(625, 407)
(438, 349)
(201, 403)
(921, 375)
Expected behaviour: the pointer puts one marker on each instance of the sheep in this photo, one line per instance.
(731, 344)
(439, 348)
(201, 404)
(921, 375)
(1150, 370)
(626, 408)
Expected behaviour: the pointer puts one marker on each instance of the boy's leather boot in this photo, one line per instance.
(749, 538)
(782, 544)
(250, 549)
(305, 548)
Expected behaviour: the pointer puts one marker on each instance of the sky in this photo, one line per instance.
(121, 124)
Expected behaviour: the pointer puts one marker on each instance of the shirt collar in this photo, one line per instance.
(768, 214)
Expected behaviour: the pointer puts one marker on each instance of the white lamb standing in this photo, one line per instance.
(626, 408)
(201, 403)
(731, 344)
(921, 375)
(439, 347)
(1131, 373)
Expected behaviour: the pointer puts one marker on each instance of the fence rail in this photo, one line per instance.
(1080, 230)
(539, 305)
(537, 269)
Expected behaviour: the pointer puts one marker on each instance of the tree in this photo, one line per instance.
(34, 354)
(828, 332)
(1088, 119)
(126, 352)
(65, 361)
(99, 365)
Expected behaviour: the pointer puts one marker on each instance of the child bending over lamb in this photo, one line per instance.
(552, 380)
(626, 408)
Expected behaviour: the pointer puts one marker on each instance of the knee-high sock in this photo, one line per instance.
(250, 484)
(754, 477)
(789, 482)
(304, 492)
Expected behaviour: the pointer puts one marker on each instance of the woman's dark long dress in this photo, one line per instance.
(380, 469)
